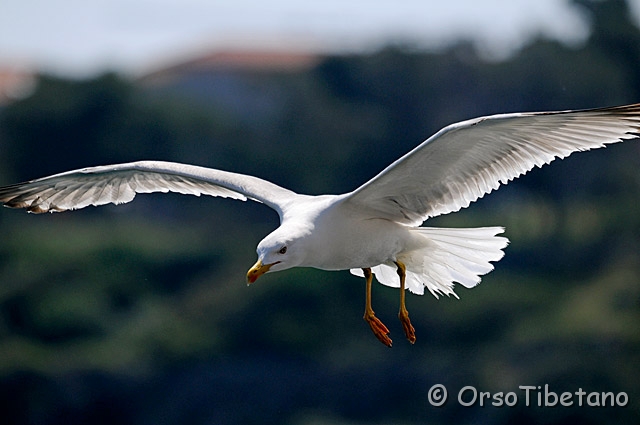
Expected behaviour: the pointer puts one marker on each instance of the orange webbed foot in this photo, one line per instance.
(409, 330)
(379, 329)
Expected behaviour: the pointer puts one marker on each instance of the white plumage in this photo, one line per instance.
(448, 256)
(373, 228)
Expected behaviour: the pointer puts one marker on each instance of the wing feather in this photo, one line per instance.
(466, 160)
(120, 183)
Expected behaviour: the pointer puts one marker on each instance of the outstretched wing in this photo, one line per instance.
(120, 183)
(466, 160)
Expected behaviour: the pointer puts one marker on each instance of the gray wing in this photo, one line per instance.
(120, 183)
(466, 160)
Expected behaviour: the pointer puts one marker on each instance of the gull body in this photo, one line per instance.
(322, 235)
(375, 229)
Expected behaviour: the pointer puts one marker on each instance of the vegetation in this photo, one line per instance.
(139, 313)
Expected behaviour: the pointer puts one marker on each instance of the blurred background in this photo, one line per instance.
(140, 313)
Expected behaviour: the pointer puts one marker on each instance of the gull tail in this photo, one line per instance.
(447, 256)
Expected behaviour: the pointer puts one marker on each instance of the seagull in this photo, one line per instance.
(375, 229)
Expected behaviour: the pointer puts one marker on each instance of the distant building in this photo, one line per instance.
(15, 84)
(254, 61)
(233, 80)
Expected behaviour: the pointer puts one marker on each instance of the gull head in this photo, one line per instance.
(280, 250)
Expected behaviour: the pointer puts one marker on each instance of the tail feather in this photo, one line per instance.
(447, 256)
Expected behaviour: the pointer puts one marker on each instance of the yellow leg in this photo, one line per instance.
(403, 314)
(379, 329)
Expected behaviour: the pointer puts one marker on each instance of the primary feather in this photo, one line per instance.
(120, 183)
(466, 160)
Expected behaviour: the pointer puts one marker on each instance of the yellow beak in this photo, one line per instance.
(258, 270)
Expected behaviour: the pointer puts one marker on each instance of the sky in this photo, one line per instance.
(87, 37)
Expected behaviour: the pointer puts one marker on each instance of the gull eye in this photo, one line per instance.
(283, 250)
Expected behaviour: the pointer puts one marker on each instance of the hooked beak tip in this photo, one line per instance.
(257, 270)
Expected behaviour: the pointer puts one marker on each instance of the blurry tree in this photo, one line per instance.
(614, 33)
(100, 121)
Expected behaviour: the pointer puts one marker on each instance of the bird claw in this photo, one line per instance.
(409, 330)
(379, 329)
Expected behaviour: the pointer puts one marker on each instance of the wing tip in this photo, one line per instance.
(34, 207)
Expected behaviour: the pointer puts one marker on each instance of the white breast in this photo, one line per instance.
(350, 242)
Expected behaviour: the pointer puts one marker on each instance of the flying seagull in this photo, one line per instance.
(373, 230)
